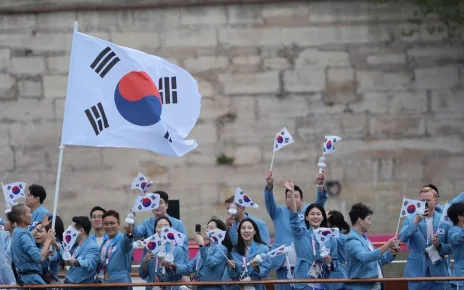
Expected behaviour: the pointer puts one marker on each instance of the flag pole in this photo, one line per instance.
(57, 186)
(272, 160)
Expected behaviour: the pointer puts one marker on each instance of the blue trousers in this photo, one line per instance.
(281, 274)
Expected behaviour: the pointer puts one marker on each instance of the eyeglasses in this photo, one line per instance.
(97, 216)
(109, 224)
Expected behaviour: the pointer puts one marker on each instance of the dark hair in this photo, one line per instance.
(163, 195)
(222, 226)
(112, 213)
(432, 187)
(95, 208)
(456, 210)
(359, 210)
(16, 212)
(337, 219)
(161, 218)
(240, 246)
(319, 207)
(38, 191)
(59, 228)
(9, 217)
(295, 188)
(82, 222)
(230, 199)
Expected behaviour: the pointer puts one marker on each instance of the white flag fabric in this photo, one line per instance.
(412, 207)
(69, 238)
(13, 191)
(444, 216)
(282, 139)
(279, 251)
(329, 144)
(149, 201)
(242, 199)
(154, 243)
(121, 97)
(217, 236)
(170, 235)
(325, 234)
(141, 183)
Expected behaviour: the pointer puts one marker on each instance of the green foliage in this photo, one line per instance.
(223, 159)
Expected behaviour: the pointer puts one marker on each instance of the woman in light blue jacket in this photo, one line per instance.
(115, 253)
(310, 264)
(335, 219)
(211, 260)
(456, 240)
(161, 271)
(244, 264)
(6, 272)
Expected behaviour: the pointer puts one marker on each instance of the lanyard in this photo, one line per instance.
(367, 243)
(313, 242)
(111, 248)
(252, 248)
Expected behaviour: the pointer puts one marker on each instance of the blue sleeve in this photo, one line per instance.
(408, 229)
(211, 261)
(2, 221)
(264, 267)
(445, 248)
(55, 257)
(181, 228)
(334, 253)
(456, 236)
(458, 198)
(29, 246)
(128, 243)
(186, 269)
(354, 248)
(139, 231)
(387, 257)
(298, 232)
(271, 206)
(233, 234)
(90, 260)
(233, 273)
(264, 233)
(321, 196)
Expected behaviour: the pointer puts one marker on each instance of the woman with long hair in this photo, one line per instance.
(315, 260)
(244, 263)
(155, 269)
(211, 260)
(7, 276)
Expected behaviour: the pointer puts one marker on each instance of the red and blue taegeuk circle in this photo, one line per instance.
(15, 189)
(151, 246)
(68, 238)
(280, 139)
(411, 209)
(143, 184)
(137, 99)
(146, 202)
(246, 198)
(171, 236)
(325, 233)
(215, 239)
(328, 144)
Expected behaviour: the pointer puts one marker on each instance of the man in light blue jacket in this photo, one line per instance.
(280, 216)
(420, 232)
(34, 200)
(84, 261)
(456, 240)
(363, 261)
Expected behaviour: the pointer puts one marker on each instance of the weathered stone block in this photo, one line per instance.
(206, 133)
(446, 77)
(203, 16)
(341, 86)
(408, 102)
(354, 125)
(5, 55)
(137, 40)
(276, 63)
(250, 36)
(386, 59)
(247, 155)
(95, 20)
(149, 20)
(37, 133)
(315, 127)
(445, 101)
(7, 87)
(316, 58)
(444, 167)
(56, 21)
(244, 14)
(293, 106)
(7, 158)
(435, 53)
(5, 135)
(30, 88)
(375, 102)
(27, 109)
(395, 126)
(205, 63)
(183, 175)
(246, 84)
(31, 157)
(245, 108)
(204, 37)
(55, 86)
(304, 80)
(58, 64)
(371, 81)
(26, 66)
(445, 124)
(203, 155)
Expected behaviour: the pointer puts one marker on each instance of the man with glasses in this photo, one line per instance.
(96, 217)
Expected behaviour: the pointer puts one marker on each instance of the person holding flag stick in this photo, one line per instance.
(456, 240)
(427, 245)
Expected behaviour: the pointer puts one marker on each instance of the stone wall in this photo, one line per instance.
(349, 68)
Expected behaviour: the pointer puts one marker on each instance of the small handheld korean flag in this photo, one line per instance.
(13, 191)
(329, 144)
(444, 217)
(154, 243)
(170, 235)
(412, 207)
(282, 139)
(69, 238)
(244, 200)
(217, 236)
(141, 183)
(325, 234)
(279, 251)
(149, 201)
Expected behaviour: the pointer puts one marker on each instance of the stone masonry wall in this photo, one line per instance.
(349, 68)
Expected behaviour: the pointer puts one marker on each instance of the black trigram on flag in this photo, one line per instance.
(97, 118)
(109, 60)
(167, 87)
(166, 136)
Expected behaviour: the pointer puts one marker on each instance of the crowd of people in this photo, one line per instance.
(31, 252)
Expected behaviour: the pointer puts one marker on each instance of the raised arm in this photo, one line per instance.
(271, 206)
(321, 193)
